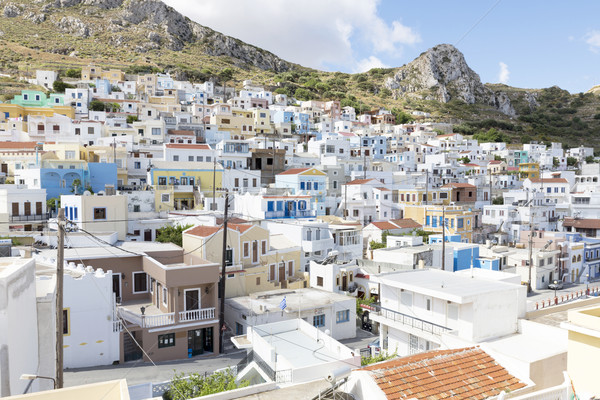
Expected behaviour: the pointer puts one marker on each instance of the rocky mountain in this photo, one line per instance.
(126, 26)
(441, 73)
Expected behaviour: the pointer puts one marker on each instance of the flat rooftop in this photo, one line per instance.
(122, 249)
(9, 265)
(297, 348)
(444, 284)
(304, 299)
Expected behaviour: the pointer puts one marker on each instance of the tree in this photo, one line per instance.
(498, 201)
(555, 162)
(75, 186)
(374, 245)
(53, 203)
(464, 160)
(172, 234)
(59, 86)
(96, 105)
(196, 385)
(131, 118)
(571, 161)
(73, 73)
(590, 159)
(401, 116)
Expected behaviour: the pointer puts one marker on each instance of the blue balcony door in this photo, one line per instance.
(290, 209)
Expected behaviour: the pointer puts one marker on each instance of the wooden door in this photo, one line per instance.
(38, 208)
(148, 235)
(15, 208)
(192, 300)
(281, 272)
(27, 208)
(254, 252)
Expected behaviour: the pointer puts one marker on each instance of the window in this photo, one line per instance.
(164, 198)
(165, 294)
(319, 320)
(428, 304)
(140, 282)
(167, 340)
(246, 249)
(90, 130)
(263, 247)
(175, 158)
(66, 322)
(342, 316)
(320, 281)
(136, 208)
(257, 280)
(99, 213)
(406, 299)
(199, 158)
(137, 165)
(452, 311)
(272, 272)
(155, 131)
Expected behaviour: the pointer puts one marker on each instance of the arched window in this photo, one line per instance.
(579, 258)
(574, 259)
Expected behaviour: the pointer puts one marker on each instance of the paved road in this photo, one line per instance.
(142, 372)
(548, 294)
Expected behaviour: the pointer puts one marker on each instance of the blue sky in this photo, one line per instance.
(528, 44)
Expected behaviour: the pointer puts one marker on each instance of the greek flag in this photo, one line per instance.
(283, 304)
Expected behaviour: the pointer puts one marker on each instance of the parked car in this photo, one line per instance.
(375, 347)
(555, 286)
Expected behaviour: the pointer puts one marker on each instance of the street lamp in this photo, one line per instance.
(555, 286)
(32, 377)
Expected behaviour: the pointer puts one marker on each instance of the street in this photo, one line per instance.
(537, 296)
(137, 372)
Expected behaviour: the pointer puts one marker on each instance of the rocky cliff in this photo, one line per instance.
(441, 73)
(140, 26)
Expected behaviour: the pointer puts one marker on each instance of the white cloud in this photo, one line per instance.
(368, 63)
(593, 40)
(313, 33)
(504, 73)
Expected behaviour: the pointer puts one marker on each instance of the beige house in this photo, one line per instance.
(97, 213)
(256, 261)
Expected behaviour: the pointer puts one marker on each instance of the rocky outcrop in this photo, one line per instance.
(441, 73)
(12, 10)
(162, 26)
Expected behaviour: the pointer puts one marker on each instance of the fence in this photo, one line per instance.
(563, 298)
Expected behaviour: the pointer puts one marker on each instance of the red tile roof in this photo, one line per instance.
(18, 145)
(468, 373)
(459, 185)
(549, 180)
(205, 231)
(188, 146)
(362, 181)
(384, 225)
(293, 171)
(587, 223)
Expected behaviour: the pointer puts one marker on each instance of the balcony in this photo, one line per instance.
(317, 245)
(31, 217)
(176, 188)
(153, 317)
(407, 320)
(290, 214)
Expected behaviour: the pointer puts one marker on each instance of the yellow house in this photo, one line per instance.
(177, 185)
(91, 72)
(256, 261)
(239, 122)
(262, 121)
(67, 151)
(19, 111)
(529, 171)
(96, 213)
(458, 220)
(583, 350)
(417, 196)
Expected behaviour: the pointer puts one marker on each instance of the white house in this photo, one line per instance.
(323, 310)
(92, 328)
(419, 308)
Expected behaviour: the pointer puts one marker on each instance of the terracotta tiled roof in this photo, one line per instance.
(188, 146)
(361, 181)
(180, 132)
(383, 189)
(406, 223)
(384, 225)
(293, 171)
(468, 373)
(17, 145)
(459, 185)
(587, 223)
(204, 231)
(549, 180)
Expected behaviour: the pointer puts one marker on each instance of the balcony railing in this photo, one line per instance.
(197, 315)
(31, 217)
(290, 214)
(409, 321)
(151, 321)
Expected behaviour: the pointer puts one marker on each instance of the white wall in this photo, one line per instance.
(89, 298)
(18, 326)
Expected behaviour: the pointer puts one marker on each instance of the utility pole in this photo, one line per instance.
(115, 150)
(273, 164)
(491, 200)
(223, 278)
(364, 164)
(60, 265)
(443, 238)
(345, 200)
(530, 250)
(427, 187)
(214, 205)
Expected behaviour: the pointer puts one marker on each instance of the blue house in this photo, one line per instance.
(305, 181)
(58, 177)
(377, 144)
(591, 258)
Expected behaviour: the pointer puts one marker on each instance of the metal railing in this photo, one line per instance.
(147, 321)
(30, 217)
(291, 214)
(197, 315)
(410, 321)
